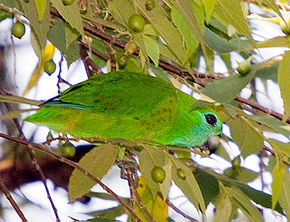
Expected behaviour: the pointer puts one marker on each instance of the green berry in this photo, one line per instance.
(236, 162)
(18, 30)
(67, 2)
(158, 174)
(67, 149)
(181, 173)
(136, 23)
(244, 67)
(149, 5)
(49, 67)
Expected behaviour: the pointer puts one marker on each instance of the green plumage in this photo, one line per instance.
(129, 106)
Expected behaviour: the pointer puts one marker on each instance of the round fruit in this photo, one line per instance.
(67, 2)
(136, 23)
(67, 149)
(181, 174)
(49, 67)
(158, 174)
(18, 29)
(149, 5)
(285, 27)
(236, 162)
(244, 67)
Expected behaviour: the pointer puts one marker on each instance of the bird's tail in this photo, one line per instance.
(17, 100)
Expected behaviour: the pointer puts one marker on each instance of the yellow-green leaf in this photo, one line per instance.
(278, 174)
(284, 199)
(231, 12)
(279, 41)
(209, 6)
(188, 185)
(246, 136)
(152, 49)
(70, 13)
(223, 205)
(97, 162)
(40, 6)
(284, 82)
(158, 18)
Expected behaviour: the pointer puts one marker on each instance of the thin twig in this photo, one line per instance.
(170, 204)
(75, 165)
(11, 200)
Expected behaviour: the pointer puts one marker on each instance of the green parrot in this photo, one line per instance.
(131, 106)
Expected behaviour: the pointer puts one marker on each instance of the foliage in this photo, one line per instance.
(176, 36)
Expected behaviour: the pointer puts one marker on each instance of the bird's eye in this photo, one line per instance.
(210, 119)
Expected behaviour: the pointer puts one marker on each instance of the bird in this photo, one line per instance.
(130, 106)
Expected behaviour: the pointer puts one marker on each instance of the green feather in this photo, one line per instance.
(129, 106)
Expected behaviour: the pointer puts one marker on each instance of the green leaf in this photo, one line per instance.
(278, 173)
(218, 43)
(70, 35)
(284, 198)
(245, 205)
(97, 162)
(208, 185)
(226, 89)
(223, 205)
(275, 124)
(279, 41)
(246, 136)
(209, 6)
(158, 18)
(268, 72)
(188, 185)
(284, 82)
(149, 158)
(40, 6)
(108, 213)
(182, 26)
(241, 174)
(71, 14)
(273, 5)
(56, 36)
(231, 12)
(152, 49)
(281, 147)
(39, 28)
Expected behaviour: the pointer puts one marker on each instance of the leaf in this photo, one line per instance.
(241, 174)
(226, 89)
(97, 162)
(182, 26)
(56, 36)
(246, 136)
(273, 5)
(284, 198)
(278, 173)
(158, 18)
(284, 82)
(275, 124)
(152, 49)
(231, 12)
(223, 205)
(268, 72)
(279, 41)
(218, 43)
(70, 35)
(281, 147)
(39, 27)
(149, 158)
(155, 205)
(244, 204)
(208, 185)
(188, 185)
(71, 14)
(40, 6)
(209, 6)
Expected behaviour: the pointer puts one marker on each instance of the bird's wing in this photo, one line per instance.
(119, 93)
